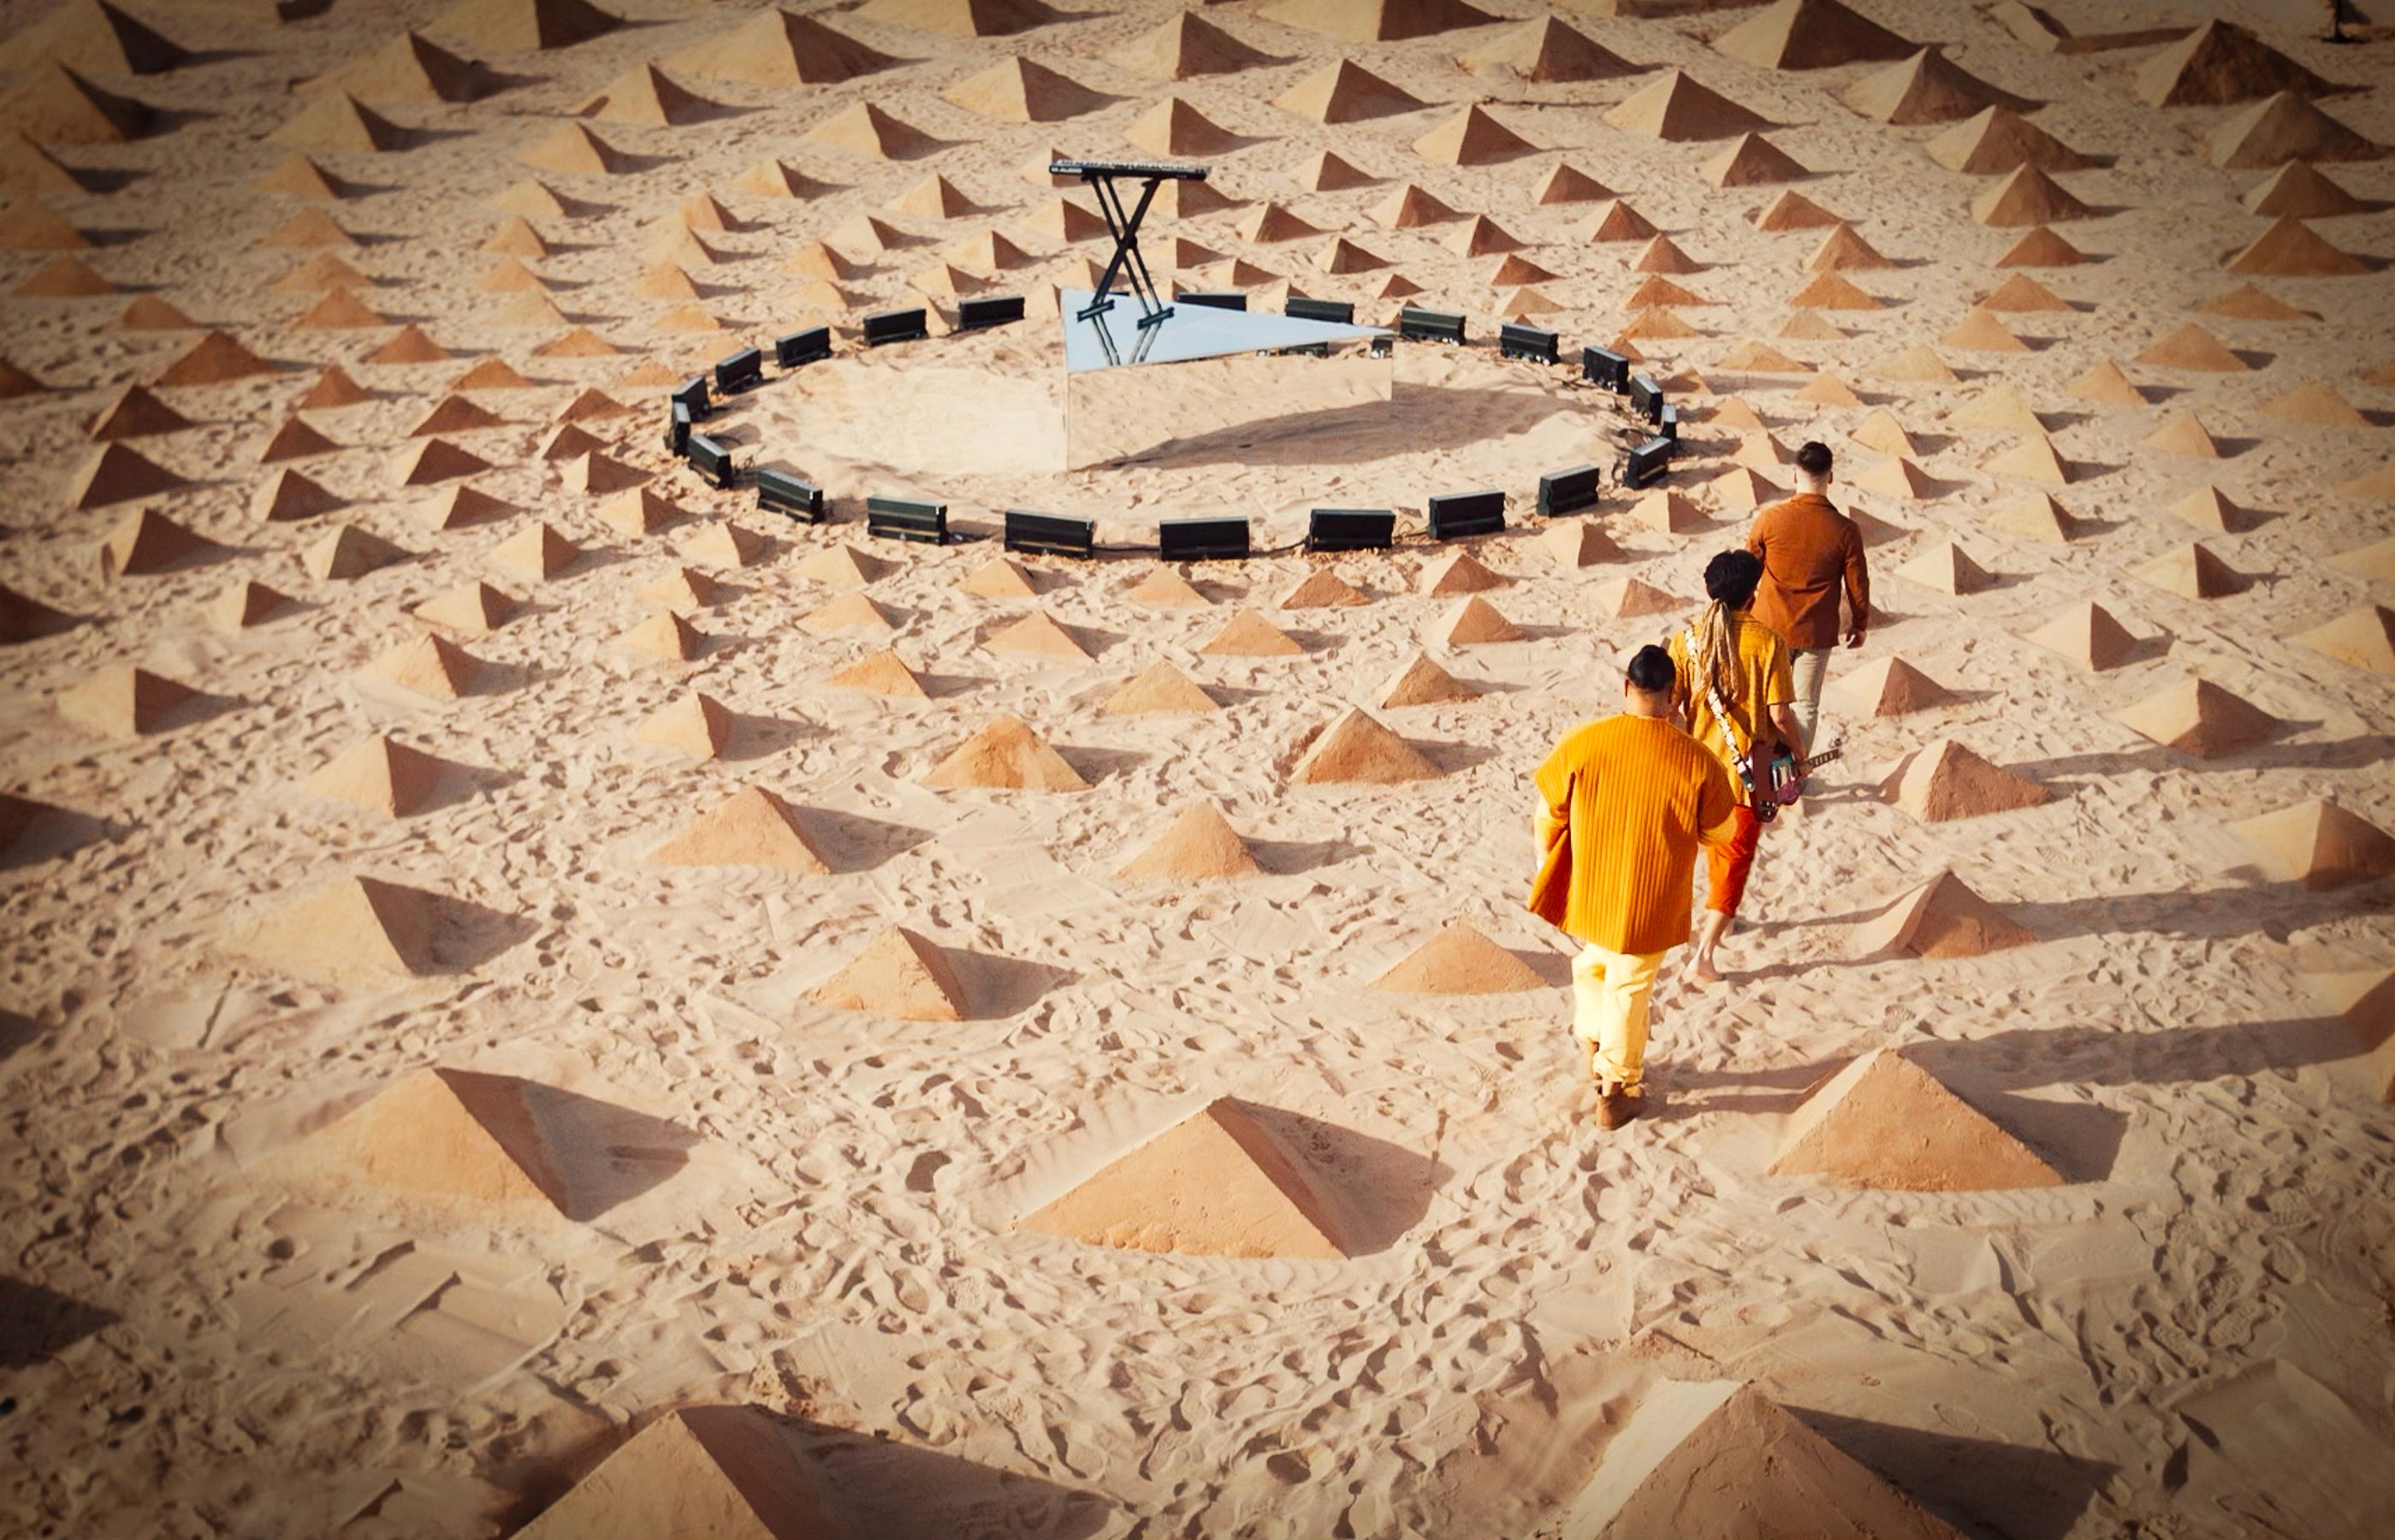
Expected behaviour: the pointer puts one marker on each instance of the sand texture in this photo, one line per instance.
(538, 996)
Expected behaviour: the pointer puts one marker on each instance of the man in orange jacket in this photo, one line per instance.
(1625, 803)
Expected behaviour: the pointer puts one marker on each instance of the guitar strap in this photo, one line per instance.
(1744, 751)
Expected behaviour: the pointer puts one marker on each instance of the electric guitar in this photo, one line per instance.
(1782, 786)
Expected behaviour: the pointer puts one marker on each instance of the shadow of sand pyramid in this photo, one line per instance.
(1710, 1456)
(496, 1138)
(1885, 1122)
(702, 1470)
(1218, 1183)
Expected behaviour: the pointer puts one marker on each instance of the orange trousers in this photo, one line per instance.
(1726, 868)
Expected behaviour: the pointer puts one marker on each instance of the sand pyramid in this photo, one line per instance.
(638, 511)
(695, 724)
(574, 150)
(1582, 545)
(28, 224)
(2248, 302)
(1038, 636)
(349, 552)
(2028, 196)
(1845, 250)
(340, 311)
(684, 589)
(409, 67)
(1161, 688)
(2198, 717)
(2282, 129)
(524, 26)
(1828, 390)
(2190, 347)
(1547, 50)
(1752, 161)
(1357, 748)
(2183, 434)
(1810, 35)
(148, 542)
(123, 701)
(753, 828)
(1419, 681)
(2298, 191)
(55, 105)
(961, 17)
(537, 554)
(2292, 249)
(1568, 184)
(1184, 47)
(2364, 637)
(2218, 63)
(2037, 517)
(2366, 1001)
(475, 609)
(1927, 87)
(1458, 573)
(338, 120)
(247, 603)
(1883, 1122)
(1459, 960)
(1165, 589)
(24, 618)
(381, 775)
(1271, 223)
(1174, 128)
(646, 95)
(1616, 221)
(1946, 568)
(410, 344)
(665, 636)
(1377, 20)
(2020, 293)
(136, 414)
(1472, 138)
(1887, 686)
(63, 277)
(93, 36)
(1005, 754)
(1199, 846)
(1941, 918)
(847, 567)
(1475, 621)
(2041, 248)
(847, 612)
(1325, 171)
(901, 975)
(1947, 781)
(1320, 590)
(27, 168)
(460, 507)
(781, 47)
(722, 1471)
(2319, 844)
(1999, 139)
(1898, 477)
(1675, 107)
(2106, 383)
(2210, 509)
(2088, 635)
(883, 673)
(1248, 635)
(1220, 1184)
(1833, 291)
(460, 1134)
(1016, 90)
(295, 440)
(1343, 91)
(1720, 1458)
(216, 359)
(359, 929)
(2192, 570)
(430, 666)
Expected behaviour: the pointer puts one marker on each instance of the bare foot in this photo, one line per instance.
(1699, 974)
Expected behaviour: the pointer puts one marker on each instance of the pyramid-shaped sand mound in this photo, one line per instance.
(2088, 635)
(1459, 960)
(123, 701)
(1220, 1184)
(1200, 844)
(2292, 249)
(1343, 91)
(2198, 717)
(1161, 688)
(752, 827)
(24, 618)
(2218, 63)
(781, 47)
(2319, 844)
(55, 105)
(357, 928)
(93, 36)
(883, 673)
(2364, 637)
(1547, 50)
(2297, 190)
(2191, 571)
(1475, 621)
(524, 26)
(1357, 748)
(2028, 196)
(1810, 35)
(1999, 139)
(1419, 681)
(1716, 1457)
(1887, 686)
(148, 542)
(430, 666)
(1248, 635)
(1006, 754)
(1941, 919)
(118, 473)
(1038, 636)
(899, 974)
(1885, 1121)
(1016, 90)
(1947, 781)
(1675, 107)
(380, 775)
(1753, 161)
(961, 17)
(695, 724)
(1927, 87)
(1184, 47)
(2282, 128)
(1472, 138)
(721, 1471)
(1378, 20)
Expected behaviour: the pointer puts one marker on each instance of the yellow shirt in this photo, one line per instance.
(1639, 797)
(1760, 678)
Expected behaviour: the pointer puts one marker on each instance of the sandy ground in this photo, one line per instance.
(217, 1325)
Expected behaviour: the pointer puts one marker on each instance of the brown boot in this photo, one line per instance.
(1618, 1104)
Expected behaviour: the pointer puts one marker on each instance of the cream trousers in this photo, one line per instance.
(1611, 990)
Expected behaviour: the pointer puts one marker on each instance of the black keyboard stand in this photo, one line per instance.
(1122, 223)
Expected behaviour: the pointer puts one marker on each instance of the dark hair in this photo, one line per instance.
(1650, 670)
(1814, 458)
(1731, 576)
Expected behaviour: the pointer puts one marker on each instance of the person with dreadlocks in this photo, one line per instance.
(1737, 695)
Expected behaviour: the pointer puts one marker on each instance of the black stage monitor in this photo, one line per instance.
(803, 347)
(1667, 423)
(1045, 534)
(905, 519)
(1202, 539)
(1457, 515)
(1339, 312)
(1567, 490)
(1648, 462)
(739, 372)
(678, 429)
(1603, 367)
(1646, 398)
(712, 460)
(1515, 339)
(1417, 325)
(894, 327)
(785, 492)
(1351, 530)
(1212, 299)
(692, 393)
(995, 309)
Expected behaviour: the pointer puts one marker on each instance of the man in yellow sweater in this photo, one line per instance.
(1625, 803)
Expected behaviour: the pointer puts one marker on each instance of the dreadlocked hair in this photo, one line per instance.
(1730, 580)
